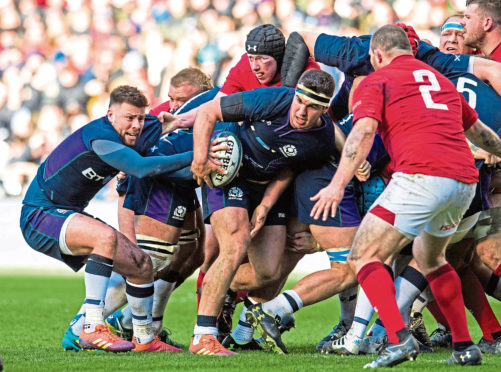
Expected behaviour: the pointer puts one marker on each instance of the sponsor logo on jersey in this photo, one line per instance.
(179, 212)
(235, 193)
(288, 151)
(92, 175)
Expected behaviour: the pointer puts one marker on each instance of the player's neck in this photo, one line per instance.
(491, 42)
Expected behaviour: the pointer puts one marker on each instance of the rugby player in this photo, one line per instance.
(377, 238)
(272, 140)
(53, 220)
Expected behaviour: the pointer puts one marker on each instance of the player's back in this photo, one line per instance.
(421, 119)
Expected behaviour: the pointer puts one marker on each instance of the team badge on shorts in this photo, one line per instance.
(235, 193)
(179, 212)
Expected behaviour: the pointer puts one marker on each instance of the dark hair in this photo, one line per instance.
(319, 81)
(128, 94)
(193, 76)
(488, 8)
(267, 40)
(390, 37)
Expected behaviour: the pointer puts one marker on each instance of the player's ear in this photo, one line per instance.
(110, 114)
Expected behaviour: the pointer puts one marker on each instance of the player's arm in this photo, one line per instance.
(273, 191)
(130, 162)
(355, 151)
(171, 122)
(488, 71)
(205, 121)
(484, 137)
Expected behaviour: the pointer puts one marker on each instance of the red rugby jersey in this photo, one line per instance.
(422, 119)
(241, 78)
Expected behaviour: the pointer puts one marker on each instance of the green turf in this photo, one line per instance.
(35, 312)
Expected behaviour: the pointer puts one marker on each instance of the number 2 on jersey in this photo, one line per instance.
(426, 89)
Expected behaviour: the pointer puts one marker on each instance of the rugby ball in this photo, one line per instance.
(232, 164)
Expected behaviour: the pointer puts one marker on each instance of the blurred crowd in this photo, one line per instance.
(60, 58)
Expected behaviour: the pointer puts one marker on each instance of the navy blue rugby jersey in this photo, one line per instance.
(269, 142)
(73, 173)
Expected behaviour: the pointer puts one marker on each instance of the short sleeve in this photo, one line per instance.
(233, 82)
(368, 100)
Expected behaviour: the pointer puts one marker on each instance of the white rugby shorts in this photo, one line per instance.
(413, 202)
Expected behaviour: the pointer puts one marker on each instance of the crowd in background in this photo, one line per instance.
(60, 58)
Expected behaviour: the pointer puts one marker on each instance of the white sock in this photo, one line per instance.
(97, 275)
(408, 285)
(140, 299)
(348, 302)
(115, 295)
(126, 320)
(285, 303)
(423, 299)
(163, 290)
(243, 332)
(363, 314)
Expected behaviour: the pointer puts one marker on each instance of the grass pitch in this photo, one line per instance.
(35, 312)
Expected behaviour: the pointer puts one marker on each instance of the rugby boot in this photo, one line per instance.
(103, 339)
(70, 341)
(471, 356)
(286, 323)
(348, 344)
(164, 336)
(338, 331)
(230, 343)
(155, 346)
(114, 324)
(225, 318)
(266, 326)
(418, 329)
(487, 347)
(208, 345)
(394, 354)
(441, 337)
(372, 345)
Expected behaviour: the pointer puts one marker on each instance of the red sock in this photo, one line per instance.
(379, 288)
(498, 270)
(437, 314)
(475, 300)
(446, 287)
(200, 279)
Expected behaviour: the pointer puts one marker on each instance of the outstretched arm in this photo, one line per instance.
(355, 151)
(130, 162)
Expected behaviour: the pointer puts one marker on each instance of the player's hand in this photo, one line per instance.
(258, 219)
(488, 158)
(121, 175)
(169, 122)
(413, 37)
(327, 201)
(218, 144)
(364, 171)
(302, 242)
(202, 170)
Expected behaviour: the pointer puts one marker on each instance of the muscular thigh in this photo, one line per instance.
(375, 240)
(266, 249)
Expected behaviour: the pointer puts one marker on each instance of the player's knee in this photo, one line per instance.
(266, 275)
